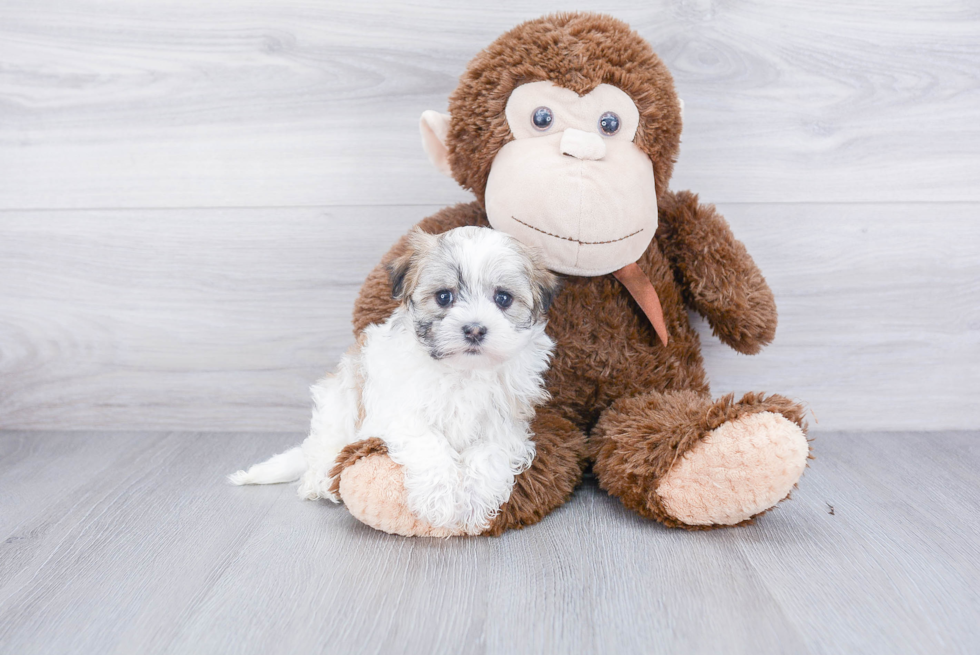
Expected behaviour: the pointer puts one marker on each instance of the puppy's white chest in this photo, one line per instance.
(466, 417)
(408, 393)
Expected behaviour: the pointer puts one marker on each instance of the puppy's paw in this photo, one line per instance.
(488, 479)
(314, 485)
(477, 506)
(434, 497)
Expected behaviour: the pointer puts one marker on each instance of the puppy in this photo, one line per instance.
(449, 382)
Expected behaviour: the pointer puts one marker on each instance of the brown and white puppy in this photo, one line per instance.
(449, 382)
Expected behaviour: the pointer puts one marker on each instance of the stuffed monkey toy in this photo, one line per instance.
(566, 129)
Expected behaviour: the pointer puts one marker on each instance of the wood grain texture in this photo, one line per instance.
(221, 319)
(135, 544)
(178, 103)
(191, 193)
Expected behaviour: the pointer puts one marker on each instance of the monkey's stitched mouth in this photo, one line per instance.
(584, 243)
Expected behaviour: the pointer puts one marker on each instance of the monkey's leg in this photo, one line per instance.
(372, 486)
(692, 462)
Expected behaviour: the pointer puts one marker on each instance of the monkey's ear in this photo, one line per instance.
(435, 127)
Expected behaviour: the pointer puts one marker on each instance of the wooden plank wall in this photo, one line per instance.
(191, 193)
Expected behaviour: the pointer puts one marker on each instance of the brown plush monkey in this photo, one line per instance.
(566, 129)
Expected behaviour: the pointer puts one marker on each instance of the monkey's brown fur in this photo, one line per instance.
(578, 52)
(642, 405)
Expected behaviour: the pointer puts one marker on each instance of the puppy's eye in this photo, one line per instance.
(444, 297)
(503, 299)
(541, 118)
(609, 123)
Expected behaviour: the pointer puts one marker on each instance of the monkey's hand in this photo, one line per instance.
(719, 279)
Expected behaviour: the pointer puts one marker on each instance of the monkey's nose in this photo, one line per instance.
(582, 145)
(474, 333)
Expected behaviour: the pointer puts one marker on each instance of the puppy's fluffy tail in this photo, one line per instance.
(284, 467)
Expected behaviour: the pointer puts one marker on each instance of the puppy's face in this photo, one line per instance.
(473, 294)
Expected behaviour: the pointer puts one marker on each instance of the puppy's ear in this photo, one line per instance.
(403, 270)
(544, 287)
(544, 284)
(397, 272)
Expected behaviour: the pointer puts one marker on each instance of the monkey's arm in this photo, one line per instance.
(374, 302)
(719, 279)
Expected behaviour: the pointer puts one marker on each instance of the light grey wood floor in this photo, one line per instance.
(131, 542)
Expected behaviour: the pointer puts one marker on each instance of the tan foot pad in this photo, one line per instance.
(374, 492)
(740, 469)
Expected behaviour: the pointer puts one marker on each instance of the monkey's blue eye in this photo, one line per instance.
(503, 299)
(542, 118)
(609, 123)
(444, 297)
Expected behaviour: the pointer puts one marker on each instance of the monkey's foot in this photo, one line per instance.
(373, 488)
(692, 462)
(739, 470)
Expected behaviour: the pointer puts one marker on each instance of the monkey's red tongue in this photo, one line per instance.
(639, 286)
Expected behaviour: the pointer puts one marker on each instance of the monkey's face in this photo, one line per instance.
(571, 162)
(572, 182)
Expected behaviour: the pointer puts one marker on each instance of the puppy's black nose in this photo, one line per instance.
(474, 333)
